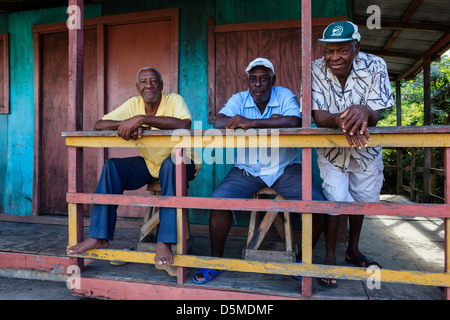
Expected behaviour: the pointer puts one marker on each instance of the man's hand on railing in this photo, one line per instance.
(354, 123)
(130, 129)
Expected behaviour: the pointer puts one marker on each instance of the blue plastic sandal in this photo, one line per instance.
(208, 274)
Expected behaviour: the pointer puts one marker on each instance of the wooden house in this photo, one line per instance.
(201, 48)
(202, 54)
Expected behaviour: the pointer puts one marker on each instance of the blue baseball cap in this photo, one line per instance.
(341, 31)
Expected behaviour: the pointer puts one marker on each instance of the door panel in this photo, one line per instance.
(53, 151)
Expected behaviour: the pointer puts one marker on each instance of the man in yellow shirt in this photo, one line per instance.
(152, 109)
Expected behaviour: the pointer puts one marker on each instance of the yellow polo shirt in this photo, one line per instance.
(172, 105)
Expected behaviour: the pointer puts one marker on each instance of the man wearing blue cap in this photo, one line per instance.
(349, 88)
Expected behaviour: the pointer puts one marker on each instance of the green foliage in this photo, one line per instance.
(412, 98)
(440, 91)
(412, 115)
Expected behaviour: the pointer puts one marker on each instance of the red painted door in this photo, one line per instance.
(52, 162)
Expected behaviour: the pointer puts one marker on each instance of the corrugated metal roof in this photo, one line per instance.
(410, 30)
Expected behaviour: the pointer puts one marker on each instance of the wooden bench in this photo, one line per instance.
(259, 250)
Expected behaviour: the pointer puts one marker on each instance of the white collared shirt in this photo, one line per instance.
(368, 84)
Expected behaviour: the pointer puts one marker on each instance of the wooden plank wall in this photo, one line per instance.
(238, 44)
(17, 145)
(17, 127)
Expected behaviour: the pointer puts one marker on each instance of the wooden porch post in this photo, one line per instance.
(426, 121)
(306, 152)
(446, 220)
(398, 102)
(75, 120)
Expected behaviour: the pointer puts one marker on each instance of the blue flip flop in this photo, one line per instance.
(208, 274)
(298, 277)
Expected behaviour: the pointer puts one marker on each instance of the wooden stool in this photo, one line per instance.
(256, 234)
(149, 230)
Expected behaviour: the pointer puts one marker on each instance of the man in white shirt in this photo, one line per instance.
(349, 88)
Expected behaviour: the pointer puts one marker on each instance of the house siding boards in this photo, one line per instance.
(17, 127)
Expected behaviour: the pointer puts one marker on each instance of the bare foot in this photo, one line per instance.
(164, 254)
(89, 243)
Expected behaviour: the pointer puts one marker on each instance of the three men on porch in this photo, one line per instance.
(348, 90)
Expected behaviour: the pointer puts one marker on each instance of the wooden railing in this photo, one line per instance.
(428, 192)
(305, 138)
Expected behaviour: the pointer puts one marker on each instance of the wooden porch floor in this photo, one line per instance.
(396, 243)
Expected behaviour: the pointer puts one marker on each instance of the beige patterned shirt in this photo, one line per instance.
(368, 84)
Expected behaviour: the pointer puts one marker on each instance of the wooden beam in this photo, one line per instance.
(447, 221)
(406, 16)
(171, 134)
(398, 105)
(181, 212)
(426, 92)
(299, 140)
(270, 25)
(439, 47)
(299, 206)
(304, 269)
(135, 290)
(394, 54)
(75, 117)
(306, 24)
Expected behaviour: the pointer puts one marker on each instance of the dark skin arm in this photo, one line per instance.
(132, 128)
(238, 121)
(353, 122)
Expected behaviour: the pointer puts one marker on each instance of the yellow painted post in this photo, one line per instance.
(307, 218)
(306, 250)
(75, 231)
(72, 224)
(447, 253)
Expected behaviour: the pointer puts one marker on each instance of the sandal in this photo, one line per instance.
(362, 261)
(325, 284)
(208, 274)
(170, 269)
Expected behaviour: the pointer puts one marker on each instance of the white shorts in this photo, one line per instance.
(354, 185)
